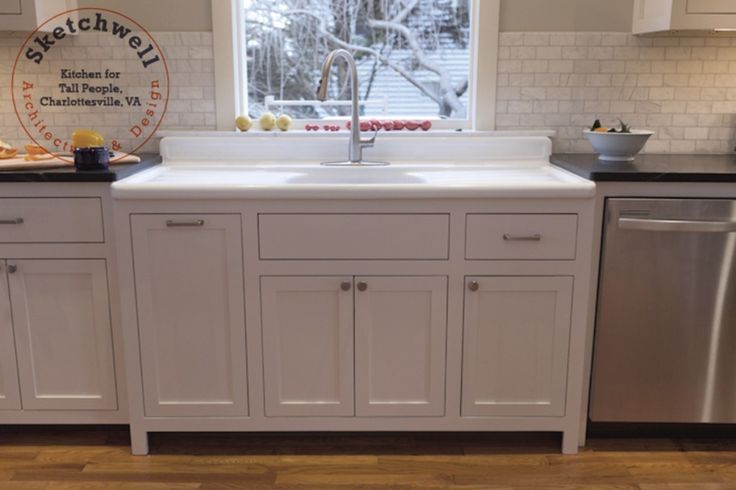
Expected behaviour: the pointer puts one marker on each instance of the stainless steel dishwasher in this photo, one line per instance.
(665, 342)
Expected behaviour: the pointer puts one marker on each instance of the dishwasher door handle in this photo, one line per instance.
(694, 226)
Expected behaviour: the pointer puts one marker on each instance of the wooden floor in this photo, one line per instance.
(86, 458)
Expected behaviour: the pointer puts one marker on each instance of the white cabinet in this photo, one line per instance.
(27, 15)
(400, 330)
(392, 329)
(360, 315)
(651, 16)
(189, 291)
(63, 336)
(9, 392)
(516, 346)
(10, 7)
(307, 345)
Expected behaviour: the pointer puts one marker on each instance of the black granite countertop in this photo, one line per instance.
(70, 174)
(651, 168)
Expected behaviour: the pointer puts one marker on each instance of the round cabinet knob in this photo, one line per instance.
(12, 268)
(473, 285)
(345, 285)
(362, 286)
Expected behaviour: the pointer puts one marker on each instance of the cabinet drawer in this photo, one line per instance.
(521, 236)
(51, 220)
(354, 236)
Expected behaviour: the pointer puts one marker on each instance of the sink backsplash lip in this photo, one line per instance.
(181, 150)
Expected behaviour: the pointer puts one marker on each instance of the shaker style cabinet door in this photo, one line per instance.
(400, 331)
(712, 7)
(10, 7)
(515, 346)
(307, 327)
(9, 392)
(191, 314)
(63, 336)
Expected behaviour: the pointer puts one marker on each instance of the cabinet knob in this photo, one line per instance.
(362, 286)
(12, 268)
(473, 285)
(345, 285)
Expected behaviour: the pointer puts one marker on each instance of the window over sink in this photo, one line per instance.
(416, 59)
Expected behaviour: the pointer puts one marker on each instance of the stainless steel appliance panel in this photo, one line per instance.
(665, 346)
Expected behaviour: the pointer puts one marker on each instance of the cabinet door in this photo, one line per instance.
(9, 393)
(10, 7)
(712, 7)
(61, 315)
(307, 345)
(400, 330)
(515, 346)
(189, 289)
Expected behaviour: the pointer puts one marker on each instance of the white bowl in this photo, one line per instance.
(618, 147)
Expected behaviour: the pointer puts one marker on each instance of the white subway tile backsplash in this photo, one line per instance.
(683, 88)
(612, 38)
(562, 39)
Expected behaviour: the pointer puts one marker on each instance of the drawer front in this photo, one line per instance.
(521, 236)
(354, 236)
(51, 220)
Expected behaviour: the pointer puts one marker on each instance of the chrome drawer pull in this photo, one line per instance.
(196, 222)
(522, 238)
(16, 221)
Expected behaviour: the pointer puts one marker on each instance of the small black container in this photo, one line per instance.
(95, 158)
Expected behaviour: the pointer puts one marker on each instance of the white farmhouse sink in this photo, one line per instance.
(394, 175)
(235, 168)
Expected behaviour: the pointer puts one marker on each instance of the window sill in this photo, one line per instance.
(549, 133)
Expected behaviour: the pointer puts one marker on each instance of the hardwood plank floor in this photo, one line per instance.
(99, 457)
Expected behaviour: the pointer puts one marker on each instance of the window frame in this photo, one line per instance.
(231, 94)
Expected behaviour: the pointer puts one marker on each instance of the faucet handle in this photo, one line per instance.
(367, 143)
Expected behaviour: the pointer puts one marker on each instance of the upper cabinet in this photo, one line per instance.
(27, 15)
(653, 16)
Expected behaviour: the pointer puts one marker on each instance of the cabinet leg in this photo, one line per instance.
(138, 442)
(583, 436)
(570, 441)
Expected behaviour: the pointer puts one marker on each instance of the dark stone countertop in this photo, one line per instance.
(651, 168)
(70, 174)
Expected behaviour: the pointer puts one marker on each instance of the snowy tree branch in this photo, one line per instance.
(355, 47)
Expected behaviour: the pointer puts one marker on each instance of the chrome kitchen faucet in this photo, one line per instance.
(357, 143)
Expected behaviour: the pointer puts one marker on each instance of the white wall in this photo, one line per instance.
(162, 15)
(566, 15)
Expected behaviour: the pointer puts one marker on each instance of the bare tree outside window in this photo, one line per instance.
(413, 55)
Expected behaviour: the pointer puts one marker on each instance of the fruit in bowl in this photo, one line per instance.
(616, 144)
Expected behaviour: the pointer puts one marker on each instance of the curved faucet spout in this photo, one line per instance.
(356, 142)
